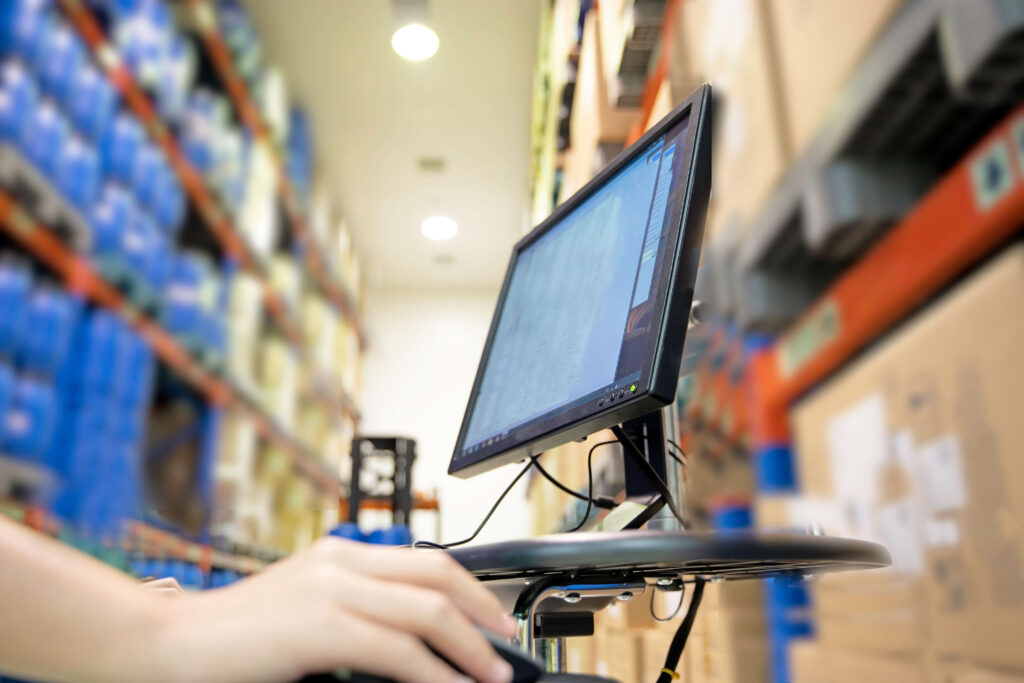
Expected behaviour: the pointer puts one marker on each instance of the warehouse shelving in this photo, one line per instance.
(83, 279)
(151, 541)
(321, 271)
(974, 209)
(202, 197)
(907, 113)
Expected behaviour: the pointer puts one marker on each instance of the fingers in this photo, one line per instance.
(372, 648)
(432, 616)
(165, 587)
(428, 569)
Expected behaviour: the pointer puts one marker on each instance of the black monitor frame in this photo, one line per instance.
(660, 388)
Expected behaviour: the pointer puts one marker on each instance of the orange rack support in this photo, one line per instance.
(974, 209)
(207, 205)
(83, 279)
(657, 77)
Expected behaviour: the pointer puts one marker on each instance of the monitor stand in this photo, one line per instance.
(553, 585)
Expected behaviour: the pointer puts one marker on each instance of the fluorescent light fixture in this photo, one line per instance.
(415, 42)
(439, 228)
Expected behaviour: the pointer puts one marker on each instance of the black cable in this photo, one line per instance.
(601, 502)
(445, 546)
(590, 485)
(675, 612)
(675, 650)
(659, 484)
(678, 448)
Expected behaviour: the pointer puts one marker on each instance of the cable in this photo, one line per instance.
(675, 612)
(675, 650)
(445, 546)
(678, 448)
(590, 485)
(659, 484)
(601, 502)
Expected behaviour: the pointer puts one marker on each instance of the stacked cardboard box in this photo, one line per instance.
(729, 43)
(917, 445)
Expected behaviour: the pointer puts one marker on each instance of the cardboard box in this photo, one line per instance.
(812, 662)
(730, 45)
(654, 645)
(919, 446)
(616, 654)
(593, 120)
(819, 46)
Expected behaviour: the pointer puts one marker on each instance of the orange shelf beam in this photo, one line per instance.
(82, 279)
(974, 209)
(240, 97)
(207, 205)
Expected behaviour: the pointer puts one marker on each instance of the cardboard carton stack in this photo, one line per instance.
(917, 445)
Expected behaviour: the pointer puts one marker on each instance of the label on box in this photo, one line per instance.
(940, 467)
(810, 336)
(857, 444)
(939, 533)
(898, 526)
(992, 176)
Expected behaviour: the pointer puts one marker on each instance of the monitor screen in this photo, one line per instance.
(579, 319)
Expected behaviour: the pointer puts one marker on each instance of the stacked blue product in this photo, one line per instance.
(300, 154)
(184, 314)
(35, 337)
(787, 603)
(399, 534)
(60, 112)
(105, 388)
(189, 575)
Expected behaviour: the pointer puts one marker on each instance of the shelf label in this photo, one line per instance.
(992, 176)
(819, 330)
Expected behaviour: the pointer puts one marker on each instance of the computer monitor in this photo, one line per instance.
(589, 327)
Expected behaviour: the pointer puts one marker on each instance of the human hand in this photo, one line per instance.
(339, 605)
(165, 587)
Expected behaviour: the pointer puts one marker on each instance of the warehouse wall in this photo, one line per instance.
(423, 353)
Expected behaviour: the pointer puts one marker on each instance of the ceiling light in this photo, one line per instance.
(439, 228)
(415, 42)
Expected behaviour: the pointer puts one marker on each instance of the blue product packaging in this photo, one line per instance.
(120, 147)
(60, 60)
(50, 319)
(78, 175)
(349, 530)
(15, 282)
(24, 27)
(181, 296)
(8, 380)
(109, 218)
(20, 96)
(44, 138)
(28, 423)
(92, 103)
(147, 168)
(98, 371)
(398, 534)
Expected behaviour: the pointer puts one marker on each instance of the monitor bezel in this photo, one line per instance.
(663, 379)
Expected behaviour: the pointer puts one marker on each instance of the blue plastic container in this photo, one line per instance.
(100, 354)
(44, 138)
(24, 27)
(60, 60)
(78, 175)
(181, 301)
(398, 534)
(15, 282)
(28, 423)
(49, 323)
(349, 530)
(92, 103)
(19, 98)
(147, 169)
(8, 380)
(109, 218)
(121, 146)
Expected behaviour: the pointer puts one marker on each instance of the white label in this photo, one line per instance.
(991, 175)
(939, 533)
(17, 422)
(857, 444)
(899, 530)
(940, 467)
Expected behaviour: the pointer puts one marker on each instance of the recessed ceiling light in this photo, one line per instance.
(415, 42)
(439, 228)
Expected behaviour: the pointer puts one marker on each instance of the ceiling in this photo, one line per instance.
(374, 115)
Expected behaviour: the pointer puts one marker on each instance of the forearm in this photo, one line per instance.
(67, 617)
